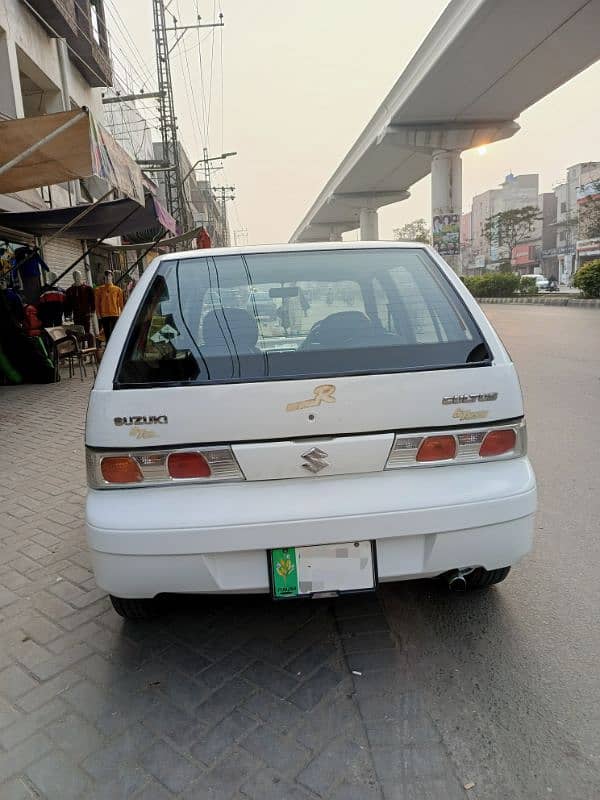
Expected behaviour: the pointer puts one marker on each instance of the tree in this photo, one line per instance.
(511, 227)
(415, 231)
(587, 278)
(589, 215)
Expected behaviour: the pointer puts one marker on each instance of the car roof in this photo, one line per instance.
(291, 248)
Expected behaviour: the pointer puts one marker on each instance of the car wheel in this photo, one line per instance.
(481, 578)
(143, 608)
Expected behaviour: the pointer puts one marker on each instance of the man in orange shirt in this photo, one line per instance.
(109, 304)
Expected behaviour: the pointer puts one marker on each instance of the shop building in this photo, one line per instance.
(573, 197)
(54, 56)
(516, 191)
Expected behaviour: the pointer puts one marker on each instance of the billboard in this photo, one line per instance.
(522, 254)
(446, 234)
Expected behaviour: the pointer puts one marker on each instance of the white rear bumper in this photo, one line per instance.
(214, 538)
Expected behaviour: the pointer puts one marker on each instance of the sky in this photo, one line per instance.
(300, 81)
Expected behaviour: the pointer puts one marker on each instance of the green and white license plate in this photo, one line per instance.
(301, 571)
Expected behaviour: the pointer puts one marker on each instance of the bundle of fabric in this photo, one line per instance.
(23, 358)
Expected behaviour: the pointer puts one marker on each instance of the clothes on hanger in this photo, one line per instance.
(51, 306)
(80, 303)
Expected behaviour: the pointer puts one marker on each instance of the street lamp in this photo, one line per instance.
(205, 161)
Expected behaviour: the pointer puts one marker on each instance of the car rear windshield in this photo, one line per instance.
(303, 314)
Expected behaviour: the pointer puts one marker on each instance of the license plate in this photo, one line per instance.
(301, 571)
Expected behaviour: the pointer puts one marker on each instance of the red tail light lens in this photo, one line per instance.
(188, 465)
(437, 448)
(121, 469)
(497, 443)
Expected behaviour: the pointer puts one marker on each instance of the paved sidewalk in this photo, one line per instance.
(220, 699)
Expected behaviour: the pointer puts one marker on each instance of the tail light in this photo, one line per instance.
(187, 465)
(465, 446)
(161, 467)
(498, 443)
(120, 469)
(437, 448)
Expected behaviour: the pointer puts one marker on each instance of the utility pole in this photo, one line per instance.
(226, 194)
(240, 237)
(174, 189)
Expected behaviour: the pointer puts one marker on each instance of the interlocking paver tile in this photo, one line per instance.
(223, 736)
(48, 690)
(282, 752)
(272, 678)
(275, 710)
(269, 785)
(7, 597)
(224, 700)
(311, 658)
(169, 767)
(220, 699)
(14, 761)
(153, 791)
(57, 778)
(122, 753)
(75, 736)
(341, 760)
(222, 781)
(315, 688)
(15, 682)
(16, 789)
(28, 724)
(226, 668)
(327, 721)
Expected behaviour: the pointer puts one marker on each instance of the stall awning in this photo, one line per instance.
(55, 148)
(115, 218)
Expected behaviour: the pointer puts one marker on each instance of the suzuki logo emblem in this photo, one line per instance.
(314, 460)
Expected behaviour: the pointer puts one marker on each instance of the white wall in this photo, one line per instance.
(24, 34)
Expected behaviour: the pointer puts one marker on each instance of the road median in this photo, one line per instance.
(544, 301)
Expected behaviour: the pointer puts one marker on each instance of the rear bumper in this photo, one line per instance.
(214, 538)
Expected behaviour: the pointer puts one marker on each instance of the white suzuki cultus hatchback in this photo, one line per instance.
(304, 420)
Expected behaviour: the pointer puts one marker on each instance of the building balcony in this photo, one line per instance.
(92, 47)
(87, 40)
(59, 14)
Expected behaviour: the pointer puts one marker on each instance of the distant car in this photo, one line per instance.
(386, 442)
(541, 282)
(260, 304)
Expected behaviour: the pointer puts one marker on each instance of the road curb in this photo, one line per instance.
(543, 301)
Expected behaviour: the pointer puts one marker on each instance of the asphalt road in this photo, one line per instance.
(512, 676)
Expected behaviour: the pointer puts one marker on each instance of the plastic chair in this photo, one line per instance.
(66, 347)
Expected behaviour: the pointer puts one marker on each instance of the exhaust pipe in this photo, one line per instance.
(456, 582)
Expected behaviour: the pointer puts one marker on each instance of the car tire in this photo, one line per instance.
(143, 608)
(481, 578)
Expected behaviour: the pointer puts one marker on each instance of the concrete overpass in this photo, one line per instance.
(483, 63)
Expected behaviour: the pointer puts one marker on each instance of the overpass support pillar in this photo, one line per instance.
(369, 225)
(446, 204)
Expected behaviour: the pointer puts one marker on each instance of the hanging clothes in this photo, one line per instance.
(30, 267)
(203, 240)
(14, 304)
(51, 306)
(32, 324)
(80, 302)
(109, 300)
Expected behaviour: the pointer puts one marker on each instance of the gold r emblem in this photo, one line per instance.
(322, 394)
(142, 433)
(464, 416)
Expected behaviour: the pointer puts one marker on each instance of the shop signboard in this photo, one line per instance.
(522, 254)
(446, 234)
(589, 191)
